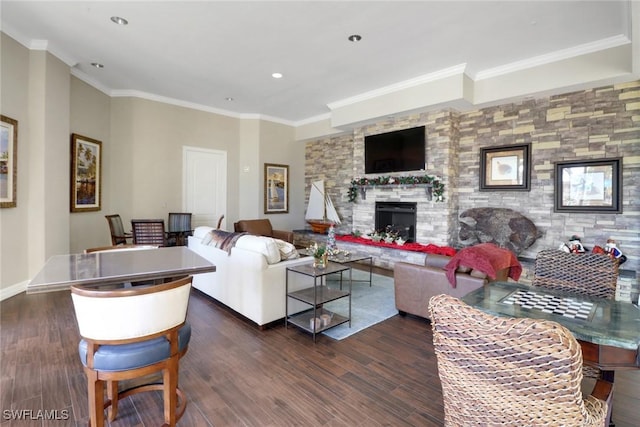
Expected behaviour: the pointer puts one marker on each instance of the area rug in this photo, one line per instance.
(369, 305)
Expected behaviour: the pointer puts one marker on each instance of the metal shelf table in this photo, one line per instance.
(316, 296)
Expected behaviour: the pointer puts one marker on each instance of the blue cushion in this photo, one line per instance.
(135, 355)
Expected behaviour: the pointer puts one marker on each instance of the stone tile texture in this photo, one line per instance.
(598, 123)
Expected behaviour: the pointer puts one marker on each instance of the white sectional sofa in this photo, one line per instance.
(250, 279)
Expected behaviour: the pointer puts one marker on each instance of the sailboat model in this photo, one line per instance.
(320, 212)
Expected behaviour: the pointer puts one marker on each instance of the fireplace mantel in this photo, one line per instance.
(428, 188)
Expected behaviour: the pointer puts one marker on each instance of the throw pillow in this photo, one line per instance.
(287, 250)
(262, 245)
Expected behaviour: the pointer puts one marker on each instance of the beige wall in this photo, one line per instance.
(14, 62)
(150, 136)
(279, 147)
(142, 144)
(35, 92)
(90, 117)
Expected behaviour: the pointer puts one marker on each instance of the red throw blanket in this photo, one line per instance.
(485, 257)
(415, 247)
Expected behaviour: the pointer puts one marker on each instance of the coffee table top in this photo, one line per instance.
(310, 270)
(342, 258)
(352, 257)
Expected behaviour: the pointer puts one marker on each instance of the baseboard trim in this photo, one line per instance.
(14, 290)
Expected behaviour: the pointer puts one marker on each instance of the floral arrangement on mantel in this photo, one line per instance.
(358, 184)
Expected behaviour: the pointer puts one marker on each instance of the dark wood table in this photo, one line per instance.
(60, 272)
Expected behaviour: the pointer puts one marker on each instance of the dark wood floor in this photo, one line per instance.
(237, 375)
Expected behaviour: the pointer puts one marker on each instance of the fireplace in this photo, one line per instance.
(400, 217)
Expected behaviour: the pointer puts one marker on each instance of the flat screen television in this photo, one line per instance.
(397, 151)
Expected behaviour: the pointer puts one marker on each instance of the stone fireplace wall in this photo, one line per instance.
(340, 159)
(597, 123)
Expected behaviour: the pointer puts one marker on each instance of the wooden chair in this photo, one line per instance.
(507, 371)
(131, 333)
(148, 232)
(594, 275)
(179, 228)
(118, 236)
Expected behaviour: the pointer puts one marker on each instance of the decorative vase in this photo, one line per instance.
(320, 262)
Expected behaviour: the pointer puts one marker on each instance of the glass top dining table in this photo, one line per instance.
(60, 272)
(606, 322)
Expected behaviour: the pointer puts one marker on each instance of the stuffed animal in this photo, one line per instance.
(574, 246)
(612, 249)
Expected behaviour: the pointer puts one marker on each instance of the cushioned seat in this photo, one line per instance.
(131, 333)
(134, 355)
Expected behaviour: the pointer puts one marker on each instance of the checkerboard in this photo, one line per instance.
(560, 306)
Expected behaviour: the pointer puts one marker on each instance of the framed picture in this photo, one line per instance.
(589, 186)
(86, 174)
(276, 188)
(505, 168)
(8, 162)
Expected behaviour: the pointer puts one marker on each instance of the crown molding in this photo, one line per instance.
(90, 81)
(36, 44)
(549, 58)
(406, 84)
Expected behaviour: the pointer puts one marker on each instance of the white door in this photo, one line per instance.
(204, 181)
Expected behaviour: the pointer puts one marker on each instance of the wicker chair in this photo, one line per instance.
(506, 371)
(594, 275)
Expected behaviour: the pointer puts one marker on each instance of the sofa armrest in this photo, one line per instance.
(287, 236)
(415, 285)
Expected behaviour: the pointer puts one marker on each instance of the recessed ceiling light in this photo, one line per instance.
(355, 38)
(228, 98)
(276, 75)
(118, 20)
(97, 65)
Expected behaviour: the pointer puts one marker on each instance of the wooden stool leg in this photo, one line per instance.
(170, 379)
(112, 395)
(96, 399)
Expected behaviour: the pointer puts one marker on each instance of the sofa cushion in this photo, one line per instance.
(477, 273)
(436, 261)
(266, 246)
(287, 250)
(202, 231)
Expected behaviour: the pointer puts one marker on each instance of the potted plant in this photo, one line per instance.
(319, 254)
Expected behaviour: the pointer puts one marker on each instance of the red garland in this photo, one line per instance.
(415, 247)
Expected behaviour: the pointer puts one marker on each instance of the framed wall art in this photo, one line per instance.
(505, 168)
(589, 186)
(86, 174)
(8, 162)
(276, 188)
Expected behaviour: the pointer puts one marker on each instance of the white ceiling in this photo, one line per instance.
(200, 53)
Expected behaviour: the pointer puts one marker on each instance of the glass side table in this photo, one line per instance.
(352, 258)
